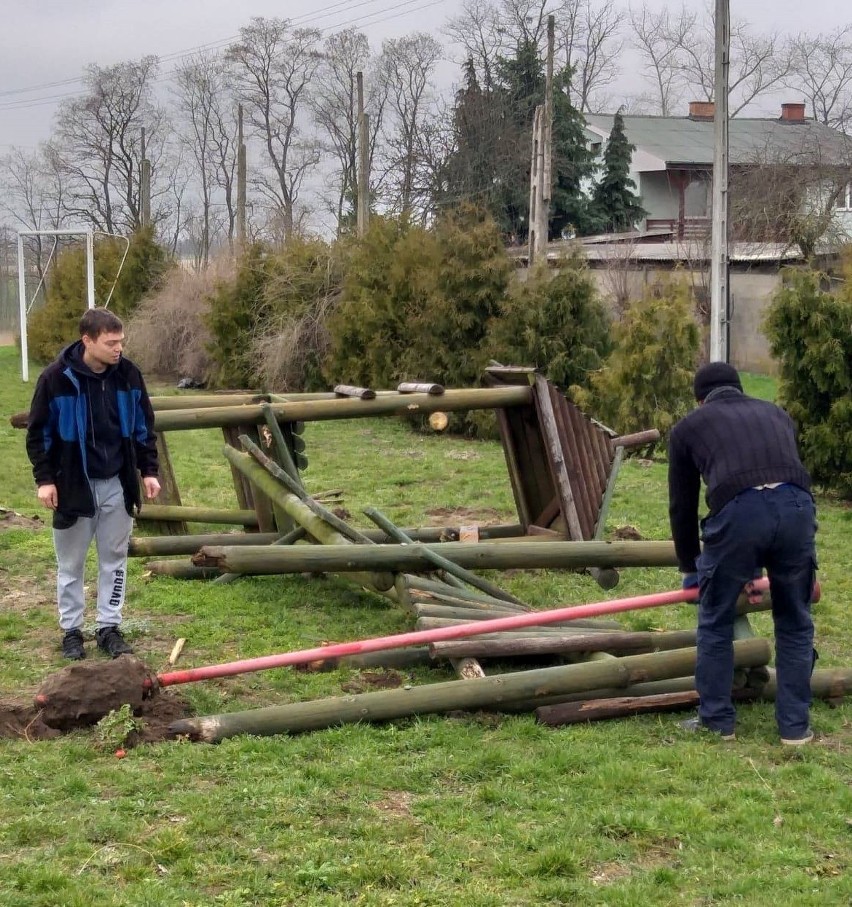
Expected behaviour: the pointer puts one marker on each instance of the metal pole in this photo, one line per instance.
(22, 304)
(719, 254)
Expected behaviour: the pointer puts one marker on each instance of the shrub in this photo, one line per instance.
(302, 287)
(390, 280)
(55, 324)
(168, 334)
(810, 334)
(238, 310)
(555, 322)
(647, 379)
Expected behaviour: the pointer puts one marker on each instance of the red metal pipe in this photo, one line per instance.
(514, 622)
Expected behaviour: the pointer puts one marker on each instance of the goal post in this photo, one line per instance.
(22, 281)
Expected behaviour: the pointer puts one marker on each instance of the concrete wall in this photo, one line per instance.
(751, 293)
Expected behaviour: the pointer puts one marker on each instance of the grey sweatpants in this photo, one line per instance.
(110, 528)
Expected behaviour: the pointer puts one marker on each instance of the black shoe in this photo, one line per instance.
(112, 642)
(72, 645)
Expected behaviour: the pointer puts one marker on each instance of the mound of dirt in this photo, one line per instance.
(628, 534)
(11, 519)
(81, 694)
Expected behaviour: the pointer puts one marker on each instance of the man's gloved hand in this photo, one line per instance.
(689, 581)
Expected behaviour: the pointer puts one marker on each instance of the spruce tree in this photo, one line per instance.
(616, 206)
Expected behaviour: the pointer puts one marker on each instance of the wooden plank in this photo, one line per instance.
(507, 441)
(575, 461)
(169, 492)
(557, 466)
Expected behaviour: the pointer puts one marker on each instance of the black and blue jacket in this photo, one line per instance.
(84, 425)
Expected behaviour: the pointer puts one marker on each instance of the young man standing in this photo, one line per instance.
(91, 430)
(761, 515)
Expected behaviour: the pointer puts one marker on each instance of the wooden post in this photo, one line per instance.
(363, 213)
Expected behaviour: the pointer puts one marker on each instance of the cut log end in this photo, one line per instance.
(438, 421)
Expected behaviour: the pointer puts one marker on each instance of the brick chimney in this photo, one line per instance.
(702, 110)
(793, 113)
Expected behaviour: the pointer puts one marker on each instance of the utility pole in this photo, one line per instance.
(719, 253)
(363, 212)
(241, 181)
(541, 169)
(145, 186)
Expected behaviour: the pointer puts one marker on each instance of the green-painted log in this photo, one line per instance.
(623, 643)
(285, 456)
(410, 558)
(296, 489)
(453, 601)
(465, 615)
(342, 408)
(456, 575)
(439, 590)
(197, 514)
(832, 684)
(180, 570)
(304, 516)
(204, 401)
(166, 545)
(484, 692)
(290, 538)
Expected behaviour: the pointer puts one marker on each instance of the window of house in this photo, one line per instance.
(844, 200)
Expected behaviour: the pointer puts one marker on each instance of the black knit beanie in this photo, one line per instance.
(713, 375)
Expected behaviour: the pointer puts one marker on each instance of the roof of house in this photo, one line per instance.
(688, 141)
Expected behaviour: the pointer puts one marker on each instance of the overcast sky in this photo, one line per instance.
(45, 44)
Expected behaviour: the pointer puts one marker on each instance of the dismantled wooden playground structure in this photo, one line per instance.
(562, 467)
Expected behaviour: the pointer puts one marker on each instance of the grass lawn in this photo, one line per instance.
(472, 809)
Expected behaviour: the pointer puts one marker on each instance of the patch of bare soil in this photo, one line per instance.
(373, 680)
(463, 516)
(11, 519)
(81, 694)
(628, 534)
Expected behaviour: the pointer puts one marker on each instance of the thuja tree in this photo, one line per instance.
(647, 380)
(810, 334)
(238, 309)
(390, 279)
(615, 204)
(123, 285)
(556, 322)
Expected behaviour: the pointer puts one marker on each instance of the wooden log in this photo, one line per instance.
(433, 623)
(169, 492)
(421, 584)
(177, 648)
(495, 691)
(180, 570)
(285, 456)
(163, 512)
(465, 615)
(621, 707)
(417, 387)
(349, 390)
(321, 410)
(411, 657)
(297, 490)
(411, 558)
(438, 421)
(438, 600)
(165, 545)
(290, 538)
(160, 546)
(637, 439)
(162, 403)
(455, 575)
(316, 526)
(467, 668)
(623, 643)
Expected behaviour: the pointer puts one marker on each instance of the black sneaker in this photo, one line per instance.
(112, 642)
(72, 645)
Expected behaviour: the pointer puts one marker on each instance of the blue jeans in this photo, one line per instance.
(772, 528)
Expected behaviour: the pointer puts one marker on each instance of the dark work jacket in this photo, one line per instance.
(732, 442)
(65, 417)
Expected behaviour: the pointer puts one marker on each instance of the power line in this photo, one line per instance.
(300, 21)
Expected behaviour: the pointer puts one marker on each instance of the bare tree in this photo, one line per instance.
(589, 36)
(479, 31)
(208, 128)
(334, 103)
(822, 71)
(659, 36)
(98, 143)
(274, 67)
(759, 62)
(407, 65)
